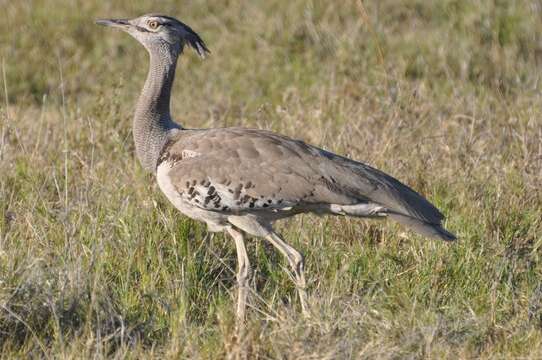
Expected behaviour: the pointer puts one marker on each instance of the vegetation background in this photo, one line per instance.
(445, 95)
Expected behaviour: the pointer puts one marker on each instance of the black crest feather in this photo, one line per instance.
(188, 35)
(191, 38)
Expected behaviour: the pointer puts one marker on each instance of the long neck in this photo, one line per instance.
(152, 120)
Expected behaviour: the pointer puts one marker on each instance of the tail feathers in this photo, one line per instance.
(435, 231)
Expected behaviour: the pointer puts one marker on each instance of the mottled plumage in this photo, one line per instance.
(239, 171)
(241, 180)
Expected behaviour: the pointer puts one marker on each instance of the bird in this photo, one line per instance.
(241, 180)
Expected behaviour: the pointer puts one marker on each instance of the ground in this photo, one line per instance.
(444, 95)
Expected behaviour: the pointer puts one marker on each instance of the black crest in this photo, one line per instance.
(194, 40)
(189, 36)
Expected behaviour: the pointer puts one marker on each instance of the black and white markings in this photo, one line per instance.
(229, 196)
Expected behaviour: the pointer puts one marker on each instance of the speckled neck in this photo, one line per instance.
(152, 119)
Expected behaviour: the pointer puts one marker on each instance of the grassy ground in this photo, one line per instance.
(445, 95)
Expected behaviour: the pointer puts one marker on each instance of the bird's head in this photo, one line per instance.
(159, 32)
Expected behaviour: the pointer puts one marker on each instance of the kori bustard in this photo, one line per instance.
(242, 180)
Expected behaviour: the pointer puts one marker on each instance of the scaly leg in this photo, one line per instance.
(295, 259)
(243, 272)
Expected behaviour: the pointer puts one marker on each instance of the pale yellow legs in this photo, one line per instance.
(295, 259)
(243, 272)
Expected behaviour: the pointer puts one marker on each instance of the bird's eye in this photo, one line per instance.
(153, 24)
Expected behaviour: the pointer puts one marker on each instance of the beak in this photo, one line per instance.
(118, 23)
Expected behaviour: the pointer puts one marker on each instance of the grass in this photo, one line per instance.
(445, 95)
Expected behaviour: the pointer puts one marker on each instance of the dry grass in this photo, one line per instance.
(444, 95)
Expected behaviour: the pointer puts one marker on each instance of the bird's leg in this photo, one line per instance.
(243, 272)
(295, 259)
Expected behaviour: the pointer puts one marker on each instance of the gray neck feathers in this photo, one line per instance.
(152, 120)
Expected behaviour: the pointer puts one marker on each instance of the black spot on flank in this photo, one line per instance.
(190, 190)
(251, 205)
(269, 201)
(211, 190)
(280, 201)
(194, 182)
(265, 205)
(248, 185)
(230, 190)
(187, 183)
(197, 201)
(224, 208)
(164, 154)
(175, 158)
